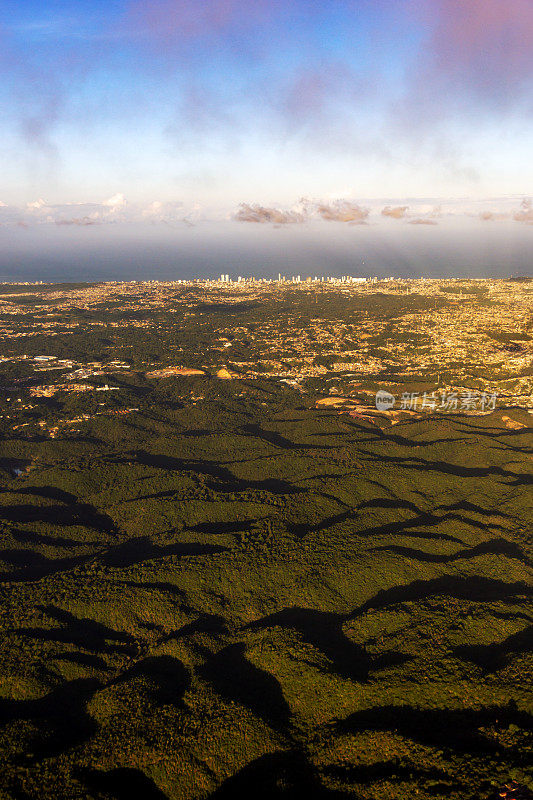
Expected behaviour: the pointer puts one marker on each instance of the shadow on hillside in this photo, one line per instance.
(473, 587)
(494, 657)
(203, 636)
(36, 566)
(236, 679)
(457, 730)
(392, 771)
(35, 537)
(323, 631)
(276, 775)
(425, 519)
(214, 475)
(70, 512)
(380, 435)
(85, 633)
(445, 468)
(60, 718)
(221, 528)
(495, 547)
(496, 433)
(122, 783)
(466, 505)
(166, 677)
(138, 550)
(83, 660)
(205, 623)
(231, 485)
(430, 518)
(161, 586)
(271, 437)
(13, 467)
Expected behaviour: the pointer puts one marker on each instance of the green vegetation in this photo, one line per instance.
(225, 592)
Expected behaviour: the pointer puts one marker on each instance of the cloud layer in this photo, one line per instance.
(117, 210)
(175, 97)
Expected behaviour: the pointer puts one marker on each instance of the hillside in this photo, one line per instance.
(226, 589)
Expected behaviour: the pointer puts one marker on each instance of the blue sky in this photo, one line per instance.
(201, 106)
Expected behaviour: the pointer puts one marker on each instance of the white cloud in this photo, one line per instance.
(117, 201)
(36, 204)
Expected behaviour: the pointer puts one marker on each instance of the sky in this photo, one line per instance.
(236, 117)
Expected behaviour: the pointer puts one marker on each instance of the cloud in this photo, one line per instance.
(182, 21)
(83, 222)
(262, 214)
(38, 124)
(525, 214)
(112, 211)
(322, 92)
(342, 211)
(162, 211)
(396, 212)
(475, 50)
(336, 211)
(117, 210)
(492, 216)
(117, 201)
(36, 205)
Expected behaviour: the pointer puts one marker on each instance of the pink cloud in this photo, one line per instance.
(183, 20)
(312, 91)
(480, 47)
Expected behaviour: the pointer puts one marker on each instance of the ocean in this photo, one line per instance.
(449, 249)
